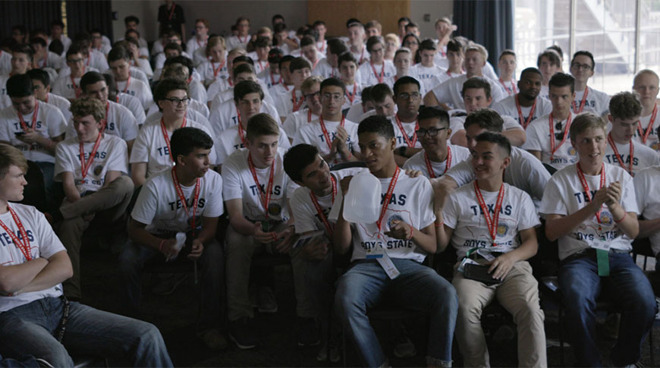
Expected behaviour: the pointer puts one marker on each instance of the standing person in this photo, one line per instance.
(443, 29)
(170, 18)
(406, 221)
(646, 86)
(33, 268)
(591, 209)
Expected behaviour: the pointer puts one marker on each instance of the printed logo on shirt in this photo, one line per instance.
(98, 155)
(5, 239)
(177, 205)
(163, 151)
(397, 199)
(18, 127)
(614, 159)
(277, 189)
(505, 210)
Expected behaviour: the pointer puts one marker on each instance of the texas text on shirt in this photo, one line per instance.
(418, 161)
(642, 156)
(49, 123)
(596, 101)
(411, 202)
(43, 244)
(508, 107)
(410, 130)
(428, 76)
(646, 136)
(159, 206)
(314, 134)
(239, 184)
(538, 139)
(150, 147)
(565, 195)
(120, 122)
(464, 214)
(111, 155)
(229, 141)
(306, 216)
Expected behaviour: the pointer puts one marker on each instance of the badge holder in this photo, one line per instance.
(602, 256)
(379, 254)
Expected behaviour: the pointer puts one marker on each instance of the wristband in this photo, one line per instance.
(621, 219)
(439, 224)
(411, 232)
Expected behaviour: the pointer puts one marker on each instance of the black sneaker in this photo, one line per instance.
(308, 332)
(241, 332)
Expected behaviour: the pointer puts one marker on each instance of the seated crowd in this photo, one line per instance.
(217, 150)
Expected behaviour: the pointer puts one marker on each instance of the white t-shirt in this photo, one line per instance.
(211, 72)
(43, 244)
(5, 101)
(564, 195)
(648, 199)
(596, 101)
(194, 44)
(215, 88)
(234, 42)
(271, 80)
(507, 107)
(225, 115)
(306, 216)
(538, 139)
(61, 103)
(5, 63)
(418, 162)
(438, 80)
(355, 112)
(652, 139)
(142, 70)
(229, 141)
(159, 207)
(369, 77)
(50, 123)
(353, 95)
(525, 172)
(239, 183)
(138, 89)
(410, 131)
(313, 134)
(296, 120)
(411, 202)
(284, 102)
(642, 158)
(197, 91)
(111, 155)
(360, 56)
(449, 92)
(457, 123)
(191, 114)
(121, 123)
(464, 215)
(150, 147)
(325, 70)
(427, 75)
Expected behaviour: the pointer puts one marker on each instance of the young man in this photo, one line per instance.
(548, 137)
(21, 63)
(526, 105)
(42, 57)
(91, 166)
(590, 208)
(292, 101)
(201, 36)
(407, 98)
(622, 150)
(449, 92)
(132, 22)
(271, 76)
(491, 224)
(443, 29)
(454, 61)
(373, 28)
(355, 43)
(68, 85)
(243, 37)
(387, 255)
(57, 33)
(549, 63)
(256, 190)
(426, 72)
(348, 73)
(507, 67)
(311, 89)
(308, 51)
(332, 134)
(586, 98)
(321, 43)
(377, 70)
(41, 84)
(437, 155)
(34, 264)
(329, 66)
(261, 50)
(248, 101)
(119, 61)
(646, 86)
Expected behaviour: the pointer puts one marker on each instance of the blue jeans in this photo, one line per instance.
(132, 260)
(627, 286)
(418, 288)
(29, 329)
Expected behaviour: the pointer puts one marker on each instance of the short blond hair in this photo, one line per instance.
(473, 46)
(85, 106)
(10, 155)
(584, 121)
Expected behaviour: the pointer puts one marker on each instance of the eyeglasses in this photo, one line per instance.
(405, 95)
(581, 66)
(333, 96)
(432, 132)
(178, 101)
(312, 95)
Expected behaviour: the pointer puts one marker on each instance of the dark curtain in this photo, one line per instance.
(31, 14)
(487, 22)
(85, 15)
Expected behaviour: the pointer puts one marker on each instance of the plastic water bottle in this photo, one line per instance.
(362, 203)
(180, 242)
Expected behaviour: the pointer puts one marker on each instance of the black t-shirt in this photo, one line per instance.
(171, 19)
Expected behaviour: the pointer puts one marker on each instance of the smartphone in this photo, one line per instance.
(18, 134)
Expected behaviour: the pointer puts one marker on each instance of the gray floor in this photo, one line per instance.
(175, 316)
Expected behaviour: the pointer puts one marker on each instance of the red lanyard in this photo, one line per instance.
(322, 48)
(583, 102)
(585, 185)
(216, 71)
(511, 91)
(382, 72)
(272, 80)
(388, 196)
(430, 168)
(297, 103)
(167, 137)
(89, 58)
(169, 17)
(361, 56)
(309, 116)
(351, 96)
(247, 38)
(410, 143)
(315, 201)
(491, 222)
(619, 157)
(184, 202)
(267, 65)
(241, 131)
(24, 245)
(265, 197)
(525, 122)
(649, 127)
(554, 148)
(84, 166)
(76, 88)
(34, 118)
(286, 88)
(128, 83)
(325, 131)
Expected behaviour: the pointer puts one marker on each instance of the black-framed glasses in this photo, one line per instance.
(432, 132)
(406, 95)
(178, 101)
(581, 66)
